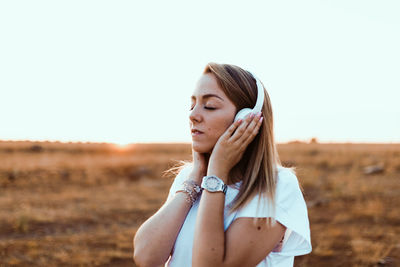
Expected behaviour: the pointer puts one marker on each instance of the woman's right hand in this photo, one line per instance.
(200, 164)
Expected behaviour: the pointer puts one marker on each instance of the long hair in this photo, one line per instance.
(257, 168)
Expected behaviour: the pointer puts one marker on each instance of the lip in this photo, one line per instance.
(196, 132)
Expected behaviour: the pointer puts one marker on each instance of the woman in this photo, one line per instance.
(235, 205)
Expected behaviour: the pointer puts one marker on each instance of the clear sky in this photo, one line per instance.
(123, 71)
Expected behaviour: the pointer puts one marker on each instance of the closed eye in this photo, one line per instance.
(209, 108)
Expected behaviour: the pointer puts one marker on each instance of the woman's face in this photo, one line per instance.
(211, 113)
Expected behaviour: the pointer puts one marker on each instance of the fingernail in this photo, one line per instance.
(261, 119)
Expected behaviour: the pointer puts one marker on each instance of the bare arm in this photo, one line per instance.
(243, 244)
(155, 238)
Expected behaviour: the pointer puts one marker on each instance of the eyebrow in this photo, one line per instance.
(207, 96)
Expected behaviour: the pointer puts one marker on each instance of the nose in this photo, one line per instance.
(194, 115)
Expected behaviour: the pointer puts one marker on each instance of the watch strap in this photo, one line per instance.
(224, 188)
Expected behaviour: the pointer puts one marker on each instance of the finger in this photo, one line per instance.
(228, 133)
(254, 132)
(254, 123)
(241, 129)
(251, 131)
(245, 131)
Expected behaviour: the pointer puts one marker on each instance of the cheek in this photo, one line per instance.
(219, 127)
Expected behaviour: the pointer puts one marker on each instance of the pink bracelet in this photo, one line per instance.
(192, 190)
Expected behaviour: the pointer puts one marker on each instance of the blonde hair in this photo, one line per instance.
(258, 167)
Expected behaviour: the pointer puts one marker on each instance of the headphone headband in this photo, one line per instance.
(259, 103)
(260, 94)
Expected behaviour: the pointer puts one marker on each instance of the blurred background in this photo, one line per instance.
(94, 108)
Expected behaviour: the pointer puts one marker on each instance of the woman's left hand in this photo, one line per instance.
(231, 145)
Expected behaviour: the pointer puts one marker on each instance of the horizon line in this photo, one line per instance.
(293, 141)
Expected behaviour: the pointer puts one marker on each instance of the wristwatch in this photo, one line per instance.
(212, 183)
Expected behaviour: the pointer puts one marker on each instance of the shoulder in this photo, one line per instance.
(288, 189)
(286, 177)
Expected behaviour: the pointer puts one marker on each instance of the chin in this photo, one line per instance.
(202, 148)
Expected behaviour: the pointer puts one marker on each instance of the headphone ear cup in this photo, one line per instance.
(242, 113)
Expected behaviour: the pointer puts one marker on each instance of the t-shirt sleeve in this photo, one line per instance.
(290, 210)
(178, 181)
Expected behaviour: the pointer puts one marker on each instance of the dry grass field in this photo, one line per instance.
(80, 204)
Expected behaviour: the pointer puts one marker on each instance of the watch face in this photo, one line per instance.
(212, 183)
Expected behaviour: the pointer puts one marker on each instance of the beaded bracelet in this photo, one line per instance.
(192, 190)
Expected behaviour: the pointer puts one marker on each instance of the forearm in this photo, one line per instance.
(208, 248)
(155, 238)
(209, 239)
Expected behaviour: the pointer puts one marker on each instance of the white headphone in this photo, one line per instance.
(259, 103)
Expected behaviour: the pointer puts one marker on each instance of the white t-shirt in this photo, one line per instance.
(290, 210)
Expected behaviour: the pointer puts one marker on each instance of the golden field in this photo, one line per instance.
(78, 204)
